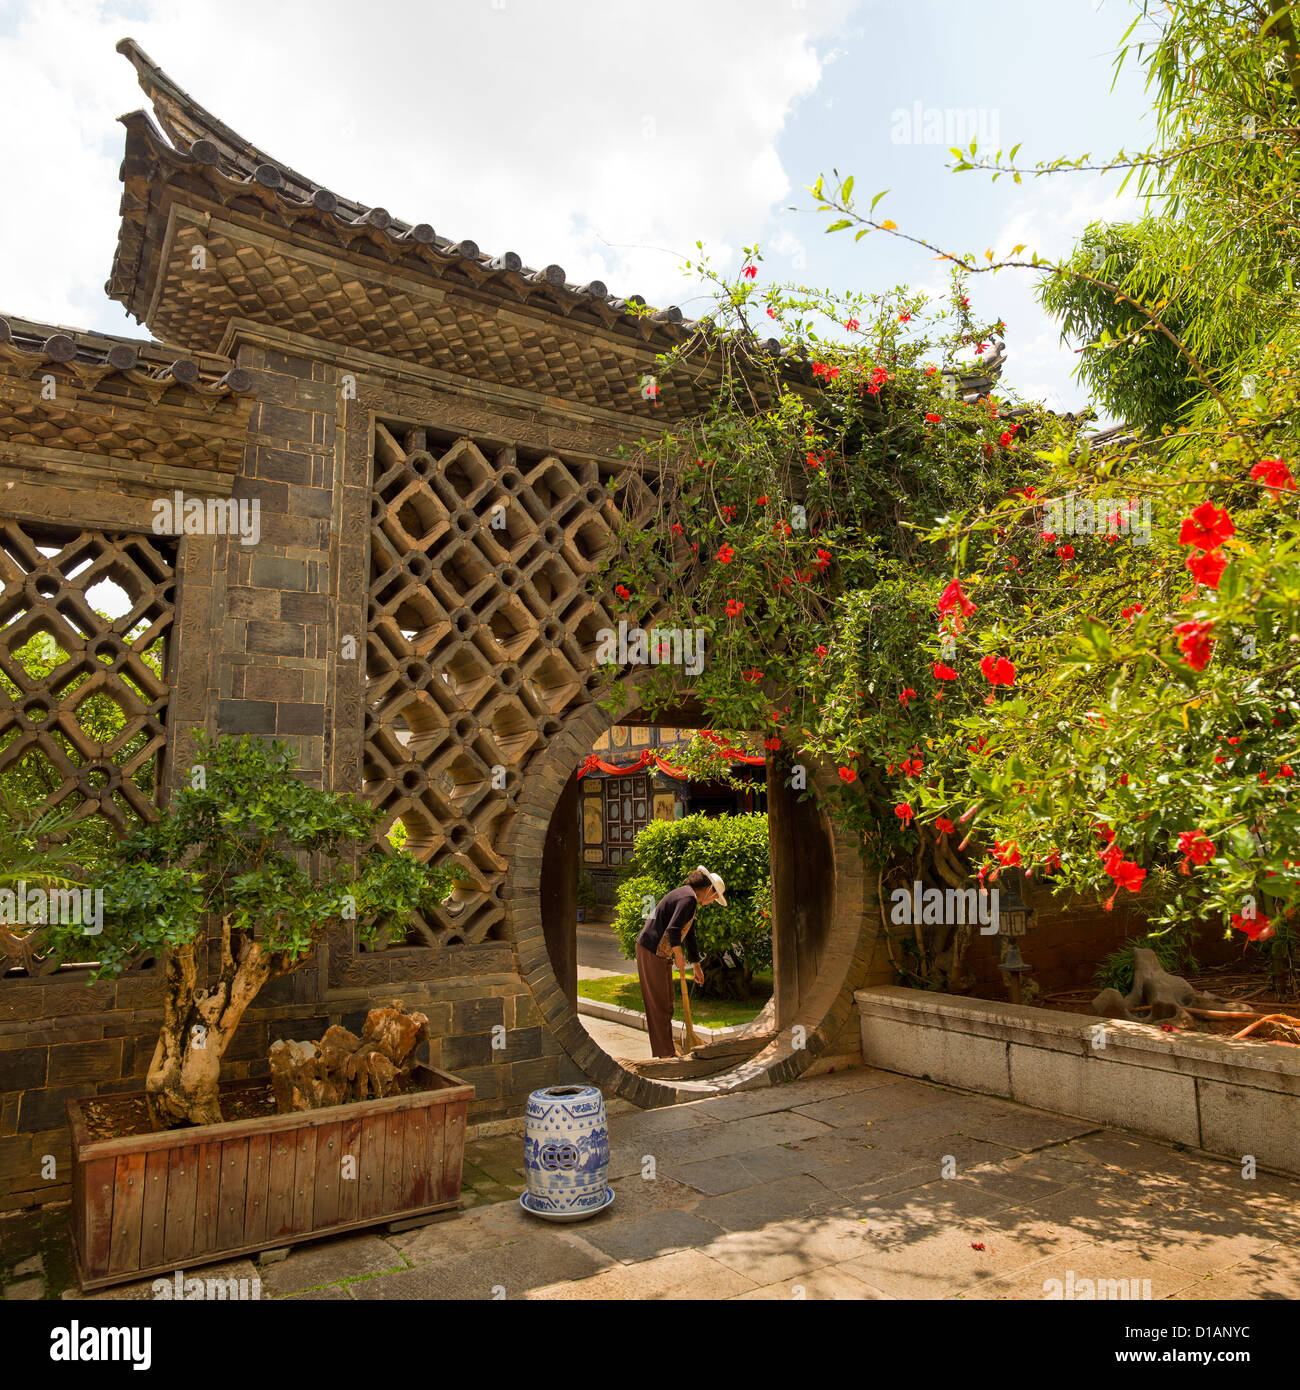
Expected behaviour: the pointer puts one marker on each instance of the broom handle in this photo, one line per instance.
(691, 1039)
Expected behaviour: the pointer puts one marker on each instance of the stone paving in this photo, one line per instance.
(857, 1185)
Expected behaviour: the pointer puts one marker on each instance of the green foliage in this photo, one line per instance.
(586, 889)
(1146, 708)
(249, 843)
(736, 847)
(27, 785)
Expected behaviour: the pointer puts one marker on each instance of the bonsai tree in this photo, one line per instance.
(268, 864)
(734, 940)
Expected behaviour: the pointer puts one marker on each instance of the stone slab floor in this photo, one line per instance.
(856, 1185)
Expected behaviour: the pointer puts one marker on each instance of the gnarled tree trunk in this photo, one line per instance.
(198, 1025)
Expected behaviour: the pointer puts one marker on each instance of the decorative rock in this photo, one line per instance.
(34, 1264)
(566, 1151)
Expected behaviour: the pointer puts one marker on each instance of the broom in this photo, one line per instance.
(689, 1038)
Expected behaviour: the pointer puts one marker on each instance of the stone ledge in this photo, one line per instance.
(1222, 1097)
(633, 1018)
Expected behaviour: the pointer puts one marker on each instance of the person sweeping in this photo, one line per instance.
(669, 933)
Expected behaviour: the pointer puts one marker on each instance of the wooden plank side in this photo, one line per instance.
(374, 1132)
(304, 1180)
(453, 1149)
(435, 1153)
(182, 1197)
(420, 1186)
(350, 1175)
(128, 1213)
(207, 1200)
(96, 1233)
(234, 1194)
(325, 1204)
(394, 1145)
(154, 1222)
(279, 1194)
(259, 1174)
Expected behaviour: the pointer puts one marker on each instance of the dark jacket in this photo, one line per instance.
(674, 914)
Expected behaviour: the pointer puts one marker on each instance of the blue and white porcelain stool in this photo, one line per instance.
(566, 1153)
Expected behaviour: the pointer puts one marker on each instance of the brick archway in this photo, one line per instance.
(823, 1006)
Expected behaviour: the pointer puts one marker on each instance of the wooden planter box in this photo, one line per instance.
(153, 1203)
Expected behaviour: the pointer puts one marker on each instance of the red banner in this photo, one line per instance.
(592, 763)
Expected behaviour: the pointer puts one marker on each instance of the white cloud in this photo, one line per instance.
(571, 131)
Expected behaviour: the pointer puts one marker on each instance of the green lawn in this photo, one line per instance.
(712, 1013)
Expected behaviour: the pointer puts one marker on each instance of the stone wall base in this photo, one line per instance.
(1228, 1098)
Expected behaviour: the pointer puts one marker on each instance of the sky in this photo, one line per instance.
(603, 136)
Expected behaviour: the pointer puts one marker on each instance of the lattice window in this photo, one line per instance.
(479, 642)
(627, 813)
(84, 623)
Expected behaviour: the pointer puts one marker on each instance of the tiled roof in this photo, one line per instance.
(95, 356)
(203, 146)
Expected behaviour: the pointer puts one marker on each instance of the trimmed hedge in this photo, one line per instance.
(735, 937)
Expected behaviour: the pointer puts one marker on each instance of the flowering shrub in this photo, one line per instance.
(994, 626)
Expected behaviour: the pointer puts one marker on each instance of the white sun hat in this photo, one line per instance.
(717, 881)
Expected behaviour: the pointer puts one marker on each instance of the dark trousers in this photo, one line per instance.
(656, 978)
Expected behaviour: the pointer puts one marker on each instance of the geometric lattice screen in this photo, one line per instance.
(83, 694)
(479, 634)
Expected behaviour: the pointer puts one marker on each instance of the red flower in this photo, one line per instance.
(771, 313)
(726, 555)
(727, 512)
(1195, 643)
(1047, 537)
(1207, 566)
(820, 653)
(1207, 527)
(823, 558)
(749, 272)
(772, 744)
(952, 597)
(1008, 854)
(821, 369)
(904, 812)
(965, 303)
(943, 673)
(1125, 873)
(1275, 476)
(905, 695)
(814, 460)
(847, 774)
(1258, 928)
(944, 826)
(622, 592)
(734, 608)
(904, 318)
(932, 418)
(1195, 846)
(1065, 552)
(762, 501)
(677, 528)
(998, 671)
(1286, 770)
(753, 674)
(930, 371)
(1052, 862)
(1131, 612)
(852, 325)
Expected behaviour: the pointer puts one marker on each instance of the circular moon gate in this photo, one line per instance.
(810, 1014)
